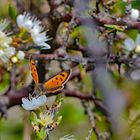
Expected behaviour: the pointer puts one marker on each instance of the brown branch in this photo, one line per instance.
(103, 18)
(82, 60)
(79, 95)
(15, 96)
(92, 118)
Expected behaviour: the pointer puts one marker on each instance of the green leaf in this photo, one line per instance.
(12, 11)
(59, 119)
(116, 27)
(33, 118)
(132, 33)
(41, 134)
(58, 98)
(119, 8)
(58, 101)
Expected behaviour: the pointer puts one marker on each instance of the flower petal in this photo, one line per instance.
(26, 101)
(129, 44)
(20, 20)
(27, 104)
(44, 46)
(135, 75)
(28, 107)
(40, 100)
(20, 55)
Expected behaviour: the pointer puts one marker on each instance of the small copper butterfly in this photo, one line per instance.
(55, 83)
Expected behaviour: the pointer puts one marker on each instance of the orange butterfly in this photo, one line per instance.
(55, 83)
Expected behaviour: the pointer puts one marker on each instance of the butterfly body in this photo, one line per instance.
(54, 84)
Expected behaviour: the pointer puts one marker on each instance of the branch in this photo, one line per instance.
(91, 119)
(103, 18)
(14, 96)
(83, 60)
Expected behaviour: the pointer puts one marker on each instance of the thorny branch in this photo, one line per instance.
(84, 60)
(91, 118)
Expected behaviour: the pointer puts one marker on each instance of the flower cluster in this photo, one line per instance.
(31, 24)
(30, 30)
(132, 48)
(6, 50)
(42, 117)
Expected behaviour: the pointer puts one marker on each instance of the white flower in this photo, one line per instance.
(67, 137)
(131, 45)
(20, 55)
(34, 27)
(135, 75)
(134, 14)
(34, 102)
(6, 51)
(25, 21)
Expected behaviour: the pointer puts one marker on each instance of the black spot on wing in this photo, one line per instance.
(32, 63)
(63, 75)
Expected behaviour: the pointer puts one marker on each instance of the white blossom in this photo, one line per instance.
(135, 75)
(131, 45)
(6, 51)
(34, 102)
(134, 14)
(35, 28)
(20, 55)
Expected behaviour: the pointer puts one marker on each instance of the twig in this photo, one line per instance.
(91, 118)
(77, 59)
(89, 134)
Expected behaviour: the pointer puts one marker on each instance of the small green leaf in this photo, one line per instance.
(58, 101)
(132, 33)
(59, 120)
(12, 11)
(116, 27)
(119, 8)
(33, 118)
(41, 134)
(58, 98)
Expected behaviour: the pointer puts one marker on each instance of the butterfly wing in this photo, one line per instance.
(33, 70)
(57, 82)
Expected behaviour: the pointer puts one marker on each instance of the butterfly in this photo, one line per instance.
(54, 84)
